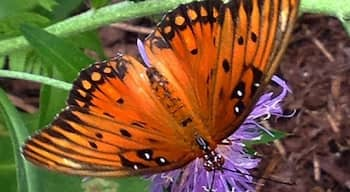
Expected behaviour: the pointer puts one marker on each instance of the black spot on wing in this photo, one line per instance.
(187, 121)
(253, 37)
(125, 133)
(194, 51)
(240, 40)
(226, 65)
(120, 101)
(130, 164)
(99, 135)
(93, 144)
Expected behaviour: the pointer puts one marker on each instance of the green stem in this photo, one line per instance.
(339, 9)
(93, 19)
(329, 7)
(36, 78)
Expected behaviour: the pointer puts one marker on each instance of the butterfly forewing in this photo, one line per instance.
(205, 65)
(225, 53)
(181, 44)
(261, 29)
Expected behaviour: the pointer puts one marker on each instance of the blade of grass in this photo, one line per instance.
(26, 176)
(36, 78)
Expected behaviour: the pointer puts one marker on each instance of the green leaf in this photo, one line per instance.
(64, 8)
(52, 100)
(57, 182)
(129, 184)
(34, 64)
(264, 138)
(31, 121)
(2, 62)
(89, 40)
(17, 61)
(56, 52)
(99, 3)
(9, 26)
(26, 61)
(12, 7)
(26, 176)
(137, 183)
(7, 165)
(47, 4)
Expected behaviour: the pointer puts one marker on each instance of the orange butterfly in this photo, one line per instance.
(204, 67)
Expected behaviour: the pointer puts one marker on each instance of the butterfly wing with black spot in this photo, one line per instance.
(206, 62)
(221, 55)
(113, 126)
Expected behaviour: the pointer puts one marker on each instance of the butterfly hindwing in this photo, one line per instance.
(106, 129)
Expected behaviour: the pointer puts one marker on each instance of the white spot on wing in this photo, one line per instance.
(239, 93)
(71, 163)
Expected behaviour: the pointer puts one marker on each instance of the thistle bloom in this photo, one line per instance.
(195, 178)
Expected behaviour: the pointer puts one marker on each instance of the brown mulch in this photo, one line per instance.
(316, 154)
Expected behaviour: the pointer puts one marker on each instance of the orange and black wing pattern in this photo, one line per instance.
(113, 126)
(204, 66)
(222, 55)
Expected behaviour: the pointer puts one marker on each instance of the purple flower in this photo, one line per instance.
(195, 178)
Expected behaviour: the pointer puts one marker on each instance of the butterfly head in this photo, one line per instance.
(212, 159)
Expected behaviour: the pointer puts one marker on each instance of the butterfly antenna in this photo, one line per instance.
(260, 177)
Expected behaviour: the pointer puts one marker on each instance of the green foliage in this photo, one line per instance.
(9, 25)
(64, 8)
(56, 53)
(17, 133)
(264, 138)
(99, 3)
